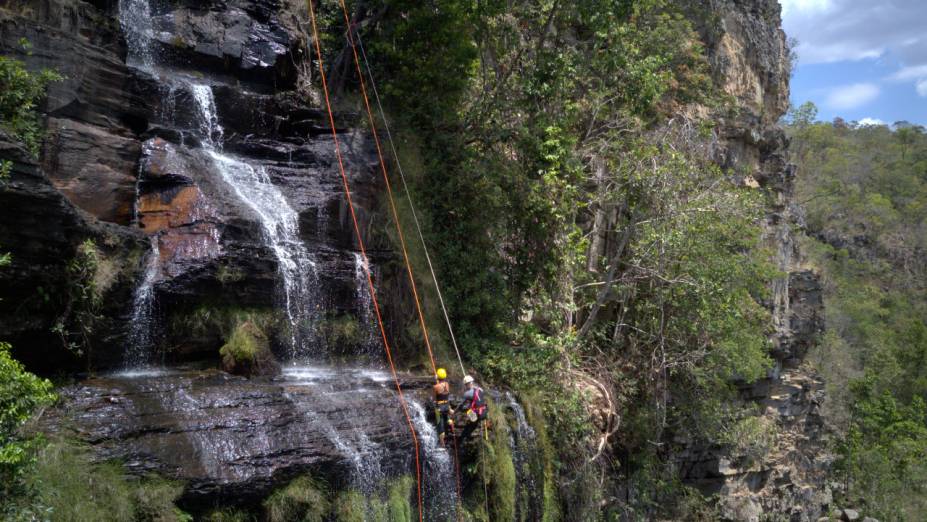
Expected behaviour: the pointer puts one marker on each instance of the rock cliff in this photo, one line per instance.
(751, 61)
(162, 117)
(125, 161)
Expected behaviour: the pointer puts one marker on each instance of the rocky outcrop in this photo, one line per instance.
(124, 152)
(231, 440)
(751, 63)
(42, 230)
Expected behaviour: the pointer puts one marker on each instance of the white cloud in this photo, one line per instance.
(836, 30)
(922, 88)
(870, 122)
(910, 73)
(852, 96)
(917, 73)
(804, 6)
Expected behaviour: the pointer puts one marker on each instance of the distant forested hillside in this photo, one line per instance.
(864, 191)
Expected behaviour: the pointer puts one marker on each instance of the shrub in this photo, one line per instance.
(247, 350)
(67, 486)
(303, 499)
(20, 93)
(21, 395)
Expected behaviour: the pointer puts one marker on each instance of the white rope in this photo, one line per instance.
(405, 186)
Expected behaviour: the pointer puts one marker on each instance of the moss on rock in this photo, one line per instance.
(304, 499)
(350, 506)
(497, 467)
(247, 350)
(399, 493)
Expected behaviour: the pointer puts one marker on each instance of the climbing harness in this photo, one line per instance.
(363, 249)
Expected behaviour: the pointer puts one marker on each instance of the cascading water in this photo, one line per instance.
(135, 19)
(139, 353)
(364, 304)
(279, 225)
(279, 222)
(322, 409)
(440, 482)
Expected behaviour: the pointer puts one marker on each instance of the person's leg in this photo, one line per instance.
(442, 426)
(467, 430)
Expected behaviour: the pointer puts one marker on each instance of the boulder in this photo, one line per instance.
(849, 515)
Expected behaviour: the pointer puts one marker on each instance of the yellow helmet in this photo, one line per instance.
(442, 373)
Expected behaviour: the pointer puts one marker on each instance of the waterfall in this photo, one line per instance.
(142, 329)
(325, 399)
(523, 443)
(364, 304)
(440, 480)
(251, 185)
(279, 225)
(135, 19)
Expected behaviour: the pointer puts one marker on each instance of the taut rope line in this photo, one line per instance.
(363, 249)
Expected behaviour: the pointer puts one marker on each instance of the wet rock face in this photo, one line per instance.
(125, 151)
(256, 39)
(231, 439)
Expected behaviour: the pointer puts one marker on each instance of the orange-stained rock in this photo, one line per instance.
(172, 207)
(177, 246)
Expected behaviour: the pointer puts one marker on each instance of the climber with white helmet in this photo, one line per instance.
(475, 405)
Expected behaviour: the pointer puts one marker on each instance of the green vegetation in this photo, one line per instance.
(222, 320)
(350, 506)
(22, 394)
(244, 335)
(865, 193)
(20, 93)
(341, 331)
(544, 463)
(229, 515)
(82, 300)
(303, 499)
(586, 239)
(497, 467)
(65, 486)
(399, 491)
(306, 499)
(246, 350)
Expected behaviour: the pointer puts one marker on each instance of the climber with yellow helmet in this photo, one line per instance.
(442, 404)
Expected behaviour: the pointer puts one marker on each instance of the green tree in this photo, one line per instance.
(20, 93)
(22, 394)
(865, 197)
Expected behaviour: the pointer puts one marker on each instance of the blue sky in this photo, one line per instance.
(863, 60)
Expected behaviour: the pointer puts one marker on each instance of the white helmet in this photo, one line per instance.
(468, 379)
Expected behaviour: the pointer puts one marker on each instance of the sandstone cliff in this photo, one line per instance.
(751, 60)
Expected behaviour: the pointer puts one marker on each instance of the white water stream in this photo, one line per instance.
(440, 497)
(139, 352)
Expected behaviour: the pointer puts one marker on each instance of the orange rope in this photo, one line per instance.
(363, 249)
(418, 306)
(389, 191)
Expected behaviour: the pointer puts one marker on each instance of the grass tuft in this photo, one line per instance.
(350, 506)
(304, 499)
